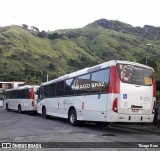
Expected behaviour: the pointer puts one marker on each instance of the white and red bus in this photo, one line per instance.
(22, 98)
(114, 91)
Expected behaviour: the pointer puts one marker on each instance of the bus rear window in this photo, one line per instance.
(132, 74)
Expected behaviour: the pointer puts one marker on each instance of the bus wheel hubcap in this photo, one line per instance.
(72, 118)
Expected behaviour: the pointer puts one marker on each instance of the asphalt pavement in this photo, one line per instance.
(145, 127)
(25, 127)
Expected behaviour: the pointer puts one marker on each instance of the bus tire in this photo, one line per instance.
(73, 117)
(35, 113)
(102, 124)
(19, 109)
(7, 108)
(44, 113)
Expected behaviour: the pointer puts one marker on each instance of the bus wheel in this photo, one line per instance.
(19, 109)
(102, 124)
(44, 113)
(7, 108)
(73, 117)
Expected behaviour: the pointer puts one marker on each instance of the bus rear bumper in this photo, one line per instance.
(130, 118)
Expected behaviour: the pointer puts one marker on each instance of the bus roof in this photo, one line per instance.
(94, 68)
(7, 82)
(23, 87)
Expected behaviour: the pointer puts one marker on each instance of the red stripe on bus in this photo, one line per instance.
(32, 96)
(31, 93)
(154, 85)
(114, 84)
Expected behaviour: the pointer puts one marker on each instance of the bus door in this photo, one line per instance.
(136, 89)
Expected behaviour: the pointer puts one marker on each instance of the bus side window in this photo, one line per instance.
(27, 93)
(82, 84)
(51, 90)
(60, 88)
(100, 81)
(69, 87)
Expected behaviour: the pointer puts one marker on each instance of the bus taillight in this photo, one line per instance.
(115, 105)
(154, 107)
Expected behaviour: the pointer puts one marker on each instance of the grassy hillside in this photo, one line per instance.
(23, 52)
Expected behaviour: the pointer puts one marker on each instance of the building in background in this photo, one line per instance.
(8, 85)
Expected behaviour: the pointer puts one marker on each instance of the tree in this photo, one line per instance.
(42, 34)
(52, 66)
(25, 26)
(34, 28)
(32, 80)
(54, 36)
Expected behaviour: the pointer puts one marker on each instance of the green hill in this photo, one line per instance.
(26, 52)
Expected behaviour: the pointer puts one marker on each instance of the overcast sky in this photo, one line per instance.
(64, 14)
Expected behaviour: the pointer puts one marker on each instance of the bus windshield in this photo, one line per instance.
(132, 74)
(1, 96)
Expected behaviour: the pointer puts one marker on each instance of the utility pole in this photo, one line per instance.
(149, 57)
(146, 60)
(47, 77)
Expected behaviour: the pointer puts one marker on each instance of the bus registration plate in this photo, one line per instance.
(135, 110)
